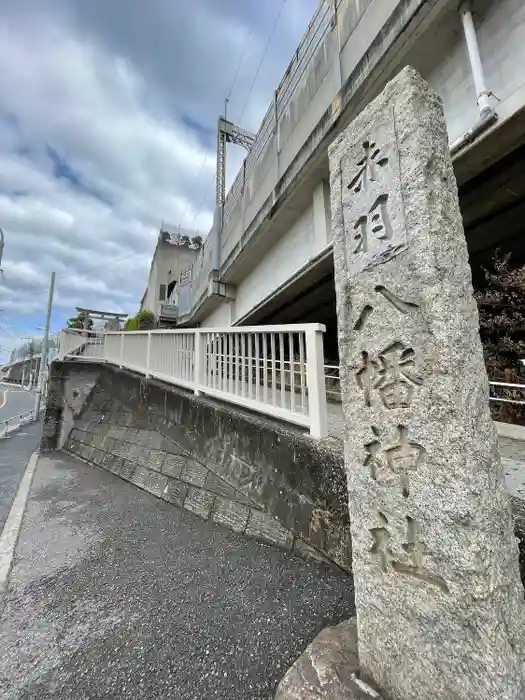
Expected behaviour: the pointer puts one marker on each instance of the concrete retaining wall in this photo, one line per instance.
(248, 474)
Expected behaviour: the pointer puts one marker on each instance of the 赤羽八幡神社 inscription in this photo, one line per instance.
(372, 207)
(438, 595)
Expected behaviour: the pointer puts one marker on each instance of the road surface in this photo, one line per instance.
(16, 449)
(14, 401)
(117, 594)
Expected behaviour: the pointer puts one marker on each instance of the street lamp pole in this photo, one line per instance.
(43, 357)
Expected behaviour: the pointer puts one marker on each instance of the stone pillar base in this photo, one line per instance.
(328, 669)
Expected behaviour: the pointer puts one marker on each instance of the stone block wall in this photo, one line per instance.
(231, 467)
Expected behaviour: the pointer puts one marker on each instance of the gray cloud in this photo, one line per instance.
(107, 126)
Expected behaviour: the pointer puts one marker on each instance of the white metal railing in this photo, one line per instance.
(275, 370)
(81, 343)
(14, 422)
(513, 396)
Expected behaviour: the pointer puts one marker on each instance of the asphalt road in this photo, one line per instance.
(17, 448)
(115, 594)
(14, 401)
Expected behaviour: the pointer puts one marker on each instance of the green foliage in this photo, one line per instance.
(143, 321)
(501, 306)
(78, 322)
(197, 240)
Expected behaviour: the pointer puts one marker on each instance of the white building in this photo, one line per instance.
(176, 250)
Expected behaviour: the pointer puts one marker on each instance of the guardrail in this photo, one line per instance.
(15, 422)
(274, 370)
(81, 343)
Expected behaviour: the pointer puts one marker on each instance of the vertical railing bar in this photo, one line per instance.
(215, 361)
(238, 340)
(264, 338)
(223, 345)
(190, 356)
(192, 359)
(301, 370)
(205, 373)
(250, 365)
(315, 381)
(217, 353)
(243, 359)
(209, 352)
(181, 354)
(292, 373)
(226, 361)
(184, 355)
(272, 351)
(281, 370)
(232, 363)
(257, 357)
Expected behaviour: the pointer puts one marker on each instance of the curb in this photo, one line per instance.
(9, 536)
(509, 430)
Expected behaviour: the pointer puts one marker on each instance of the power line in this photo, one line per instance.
(234, 81)
(258, 70)
(262, 58)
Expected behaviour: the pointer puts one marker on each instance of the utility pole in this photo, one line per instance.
(43, 358)
(30, 358)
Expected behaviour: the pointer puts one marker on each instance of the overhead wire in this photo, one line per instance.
(258, 70)
(234, 81)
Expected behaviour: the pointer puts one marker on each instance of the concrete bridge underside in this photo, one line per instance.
(493, 207)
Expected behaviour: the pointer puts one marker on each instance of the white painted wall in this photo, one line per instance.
(279, 264)
(221, 317)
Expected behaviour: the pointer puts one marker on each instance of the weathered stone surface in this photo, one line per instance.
(175, 492)
(108, 461)
(328, 669)
(218, 486)
(140, 476)
(136, 454)
(194, 473)
(156, 484)
(263, 526)
(150, 438)
(199, 502)
(97, 457)
(123, 450)
(174, 465)
(232, 515)
(306, 550)
(116, 466)
(156, 460)
(438, 596)
(131, 435)
(127, 469)
(244, 458)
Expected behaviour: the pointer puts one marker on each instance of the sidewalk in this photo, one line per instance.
(116, 594)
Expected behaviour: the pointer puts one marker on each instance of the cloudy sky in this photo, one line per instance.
(107, 127)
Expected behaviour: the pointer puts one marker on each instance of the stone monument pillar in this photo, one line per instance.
(440, 609)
